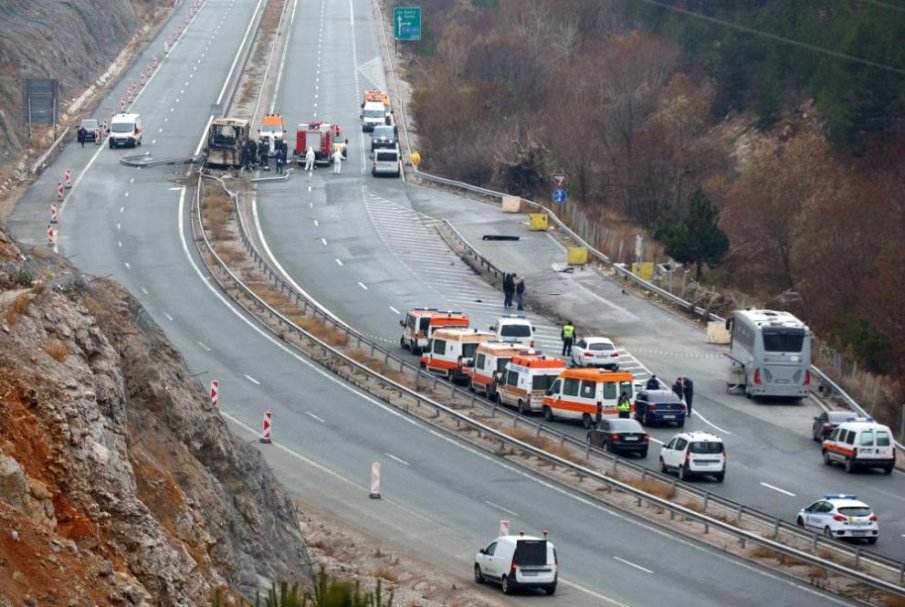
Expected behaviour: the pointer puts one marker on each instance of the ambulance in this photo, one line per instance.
(272, 133)
(576, 392)
(526, 380)
(420, 323)
(450, 350)
(490, 362)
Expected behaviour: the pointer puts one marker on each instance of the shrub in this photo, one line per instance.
(56, 349)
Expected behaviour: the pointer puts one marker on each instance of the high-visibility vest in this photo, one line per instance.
(625, 405)
(568, 332)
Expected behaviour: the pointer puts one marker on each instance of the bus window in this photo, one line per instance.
(783, 341)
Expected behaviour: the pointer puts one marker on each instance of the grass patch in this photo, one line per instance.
(819, 572)
(762, 552)
(657, 488)
(894, 601)
(56, 349)
(694, 506)
(20, 304)
(387, 572)
(230, 255)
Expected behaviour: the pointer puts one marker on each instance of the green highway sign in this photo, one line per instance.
(407, 23)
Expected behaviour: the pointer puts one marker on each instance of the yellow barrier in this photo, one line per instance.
(537, 222)
(577, 256)
(643, 269)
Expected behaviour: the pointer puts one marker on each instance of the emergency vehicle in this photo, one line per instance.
(450, 350)
(376, 96)
(576, 392)
(514, 327)
(375, 110)
(420, 323)
(490, 362)
(323, 137)
(271, 132)
(526, 380)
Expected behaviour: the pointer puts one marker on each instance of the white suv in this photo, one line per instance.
(514, 328)
(694, 454)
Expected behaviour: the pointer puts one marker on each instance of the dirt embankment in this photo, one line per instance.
(119, 482)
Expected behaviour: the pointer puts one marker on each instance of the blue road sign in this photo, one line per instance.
(560, 196)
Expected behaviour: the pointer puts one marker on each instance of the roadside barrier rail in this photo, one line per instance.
(393, 360)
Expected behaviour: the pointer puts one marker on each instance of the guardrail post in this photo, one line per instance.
(776, 529)
(643, 473)
(434, 385)
(902, 573)
(539, 427)
(738, 516)
(814, 545)
(562, 440)
(371, 351)
(857, 557)
(493, 410)
(706, 500)
(386, 358)
(474, 397)
(587, 451)
(742, 540)
(515, 421)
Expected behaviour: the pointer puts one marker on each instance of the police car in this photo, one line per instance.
(841, 515)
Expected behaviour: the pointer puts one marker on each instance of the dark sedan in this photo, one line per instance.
(620, 435)
(659, 406)
(826, 422)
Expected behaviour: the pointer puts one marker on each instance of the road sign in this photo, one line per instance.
(407, 23)
(560, 196)
(560, 179)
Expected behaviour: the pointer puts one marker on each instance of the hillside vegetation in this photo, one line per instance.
(799, 151)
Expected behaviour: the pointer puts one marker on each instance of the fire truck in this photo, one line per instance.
(324, 137)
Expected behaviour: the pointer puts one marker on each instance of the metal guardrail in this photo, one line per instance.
(628, 275)
(858, 556)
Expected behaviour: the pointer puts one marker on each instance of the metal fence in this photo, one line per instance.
(393, 360)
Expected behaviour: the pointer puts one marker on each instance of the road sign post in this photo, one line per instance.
(407, 23)
(560, 178)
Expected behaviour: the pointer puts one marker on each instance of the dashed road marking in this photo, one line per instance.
(252, 380)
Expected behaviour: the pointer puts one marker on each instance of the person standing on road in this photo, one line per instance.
(83, 134)
(624, 406)
(279, 161)
(309, 159)
(688, 392)
(520, 293)
(653, 383)
(508, 290)
(568, 336)
(337, 161)
(677, 388)
(598, 416)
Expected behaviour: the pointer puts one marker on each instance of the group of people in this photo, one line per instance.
(513, 286)
(683, 388)
(337, 157)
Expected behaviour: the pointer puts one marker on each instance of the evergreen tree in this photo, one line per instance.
(697, 238)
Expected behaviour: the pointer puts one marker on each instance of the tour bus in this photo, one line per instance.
(489, 362)
(450, 350)
(526, 380)
(770, 353)
(576, 392)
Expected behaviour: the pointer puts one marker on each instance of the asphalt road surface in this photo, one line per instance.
(442, 500)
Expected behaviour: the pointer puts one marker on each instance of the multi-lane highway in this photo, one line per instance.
(357, 244)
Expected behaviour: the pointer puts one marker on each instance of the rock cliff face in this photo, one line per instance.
(119, 482)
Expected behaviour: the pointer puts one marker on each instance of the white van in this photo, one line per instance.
(516, 328)
(861, 445)
(526, 380)
(518, 561)
(125, 130)
(386, 162)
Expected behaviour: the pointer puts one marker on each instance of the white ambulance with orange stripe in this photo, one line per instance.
(861, 445)
(526, 380)
(576, 392)
(450, 350)
(420, 323)
(490, 362)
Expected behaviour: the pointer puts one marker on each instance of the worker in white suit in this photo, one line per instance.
(309, 159)
(337, 161)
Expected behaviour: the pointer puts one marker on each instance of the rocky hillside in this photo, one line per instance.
(74, 42)
(119, 482)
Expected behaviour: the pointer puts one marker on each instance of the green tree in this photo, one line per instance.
(696, 238)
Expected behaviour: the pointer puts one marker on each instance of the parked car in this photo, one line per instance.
(619, 435)
(826, 422)
(595, 352)
(91, 126)
(841, 515)
(518, 561)
(694, 454)
(384, 137)
(659, 406)
(864, 444)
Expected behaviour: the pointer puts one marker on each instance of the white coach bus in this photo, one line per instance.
(770, 352)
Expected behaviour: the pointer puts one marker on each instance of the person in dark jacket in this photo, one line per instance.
(83, 134)
(688, 391)
(520, 293)
(677, 388)
(653, 383)
(508, 290)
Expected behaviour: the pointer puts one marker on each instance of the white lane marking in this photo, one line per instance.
(128, 267)
(309, 188)
(655, 440)
(631, 564)
(315, 417)
(160, 130)
(119, 243)
(310, 205)
(316, 224)
(169, 318)
(153, 142)
(395, 311)
(126, 194)
(498, 507)
(144, 290)
(324, 240)
(769, 486)
(132, 180)
(118, 226)
(393, 457)
(590, 592)
(203, 346)
(706, 421)
(252, 380)
(362, 285)
(121, 209)
(338, 262)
